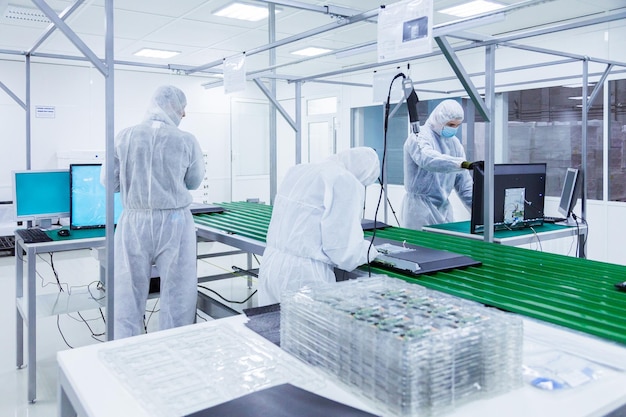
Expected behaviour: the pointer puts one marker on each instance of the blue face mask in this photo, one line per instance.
(448, 132)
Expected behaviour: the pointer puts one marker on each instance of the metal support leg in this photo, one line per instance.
(249, 268)
(31, 322)
(19, 293)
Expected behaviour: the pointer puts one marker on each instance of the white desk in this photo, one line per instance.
(91, 388)
(26, 297)
(26, 300)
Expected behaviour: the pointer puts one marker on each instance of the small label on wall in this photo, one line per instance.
(45, 112)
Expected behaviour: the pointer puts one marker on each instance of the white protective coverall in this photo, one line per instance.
(316, 223)
(156, 164)
(432, 168)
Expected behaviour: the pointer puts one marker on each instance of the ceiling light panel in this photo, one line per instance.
(311, 51)
(472, 8)
(156, 53)
(244, 11)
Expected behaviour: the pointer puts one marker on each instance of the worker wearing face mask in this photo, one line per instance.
(434, 165)
(155, 166)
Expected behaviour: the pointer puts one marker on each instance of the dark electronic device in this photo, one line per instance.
(33, 235)
(569, 195)
(411, 103)
(518, 196)
(416, 259)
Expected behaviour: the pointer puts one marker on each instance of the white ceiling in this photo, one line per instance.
(190, 27)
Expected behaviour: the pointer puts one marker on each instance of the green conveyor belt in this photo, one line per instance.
(564, 290)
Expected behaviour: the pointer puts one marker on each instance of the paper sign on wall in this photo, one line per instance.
(235, 74)
(45, 112)
(405, 30)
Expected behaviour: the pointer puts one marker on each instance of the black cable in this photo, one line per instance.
(390, 206)
(225, 299)
(98, 287)
(93, 334)
(382, 169)
(61, 333)
(583, 251)
(154, 310)
(54, 271)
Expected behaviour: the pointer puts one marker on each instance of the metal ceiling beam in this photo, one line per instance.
(52, 27)
(344, 22)
(12, 95)
(568, 26)
(542, 80)
(71, 36)
(558, 28)
(463, 77)
(329, 9)
(599, 86)
(275, 102)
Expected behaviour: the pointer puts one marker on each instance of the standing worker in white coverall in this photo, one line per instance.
(434, 165)
(156, 164)
(316, 223)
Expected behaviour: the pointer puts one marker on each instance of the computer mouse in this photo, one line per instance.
(63, 232)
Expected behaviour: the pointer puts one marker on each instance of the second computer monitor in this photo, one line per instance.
(88, 198)
(518, 195)
(569, 193)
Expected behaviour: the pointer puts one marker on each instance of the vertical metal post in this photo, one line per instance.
(28, 113)
(383, 172)
(470, 127)
(110, 134)
(298, 102)
(583, 193)
(273, 147)
(488, 211)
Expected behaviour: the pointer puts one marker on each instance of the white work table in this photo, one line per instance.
(92, 383)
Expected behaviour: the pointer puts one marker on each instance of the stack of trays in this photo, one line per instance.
(414, 351)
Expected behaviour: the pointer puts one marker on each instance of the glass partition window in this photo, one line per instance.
(544, 125)
(617, 141)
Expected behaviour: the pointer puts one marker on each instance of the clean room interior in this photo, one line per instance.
(527, 61)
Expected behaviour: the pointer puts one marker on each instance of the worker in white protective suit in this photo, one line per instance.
(316, 223)
(155, 166)
(434, 165)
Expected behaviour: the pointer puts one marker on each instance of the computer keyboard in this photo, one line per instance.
(549, 219)
(33, 235)
(7, 242)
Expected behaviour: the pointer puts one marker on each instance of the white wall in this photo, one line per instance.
(77, 95)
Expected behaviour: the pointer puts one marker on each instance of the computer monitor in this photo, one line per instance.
(88, 198)
(41, 196)
(569, 193)
(518, 195)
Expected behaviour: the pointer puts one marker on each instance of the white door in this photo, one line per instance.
(322, 140)
(250, 150)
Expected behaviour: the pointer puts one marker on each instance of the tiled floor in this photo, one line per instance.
(76, 270)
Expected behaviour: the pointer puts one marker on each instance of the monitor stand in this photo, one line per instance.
(570, 221)
(44, 223)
